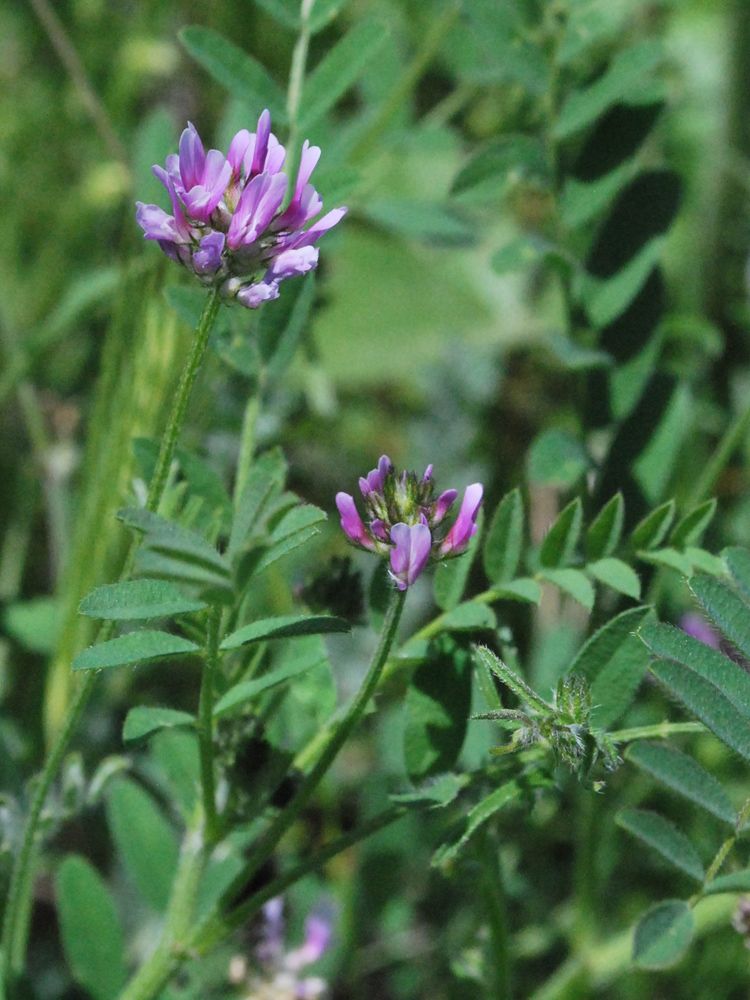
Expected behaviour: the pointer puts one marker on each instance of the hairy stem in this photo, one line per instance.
(17, 907)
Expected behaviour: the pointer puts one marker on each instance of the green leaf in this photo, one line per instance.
(244, 77)
(604, 532)
(616, 574)
(142, 721)
(144, 840)
(285, 627)
(556, 458)
(245, 691)
(607, 299)
(705, 561)
(663, 935)
(690, 529)
(650, 532)
(520, 253)
(683, 775)
(738, 564)
(437, 710)
(440, 791)
(214, 587)
(725, 608)
(665, 838)
(504, 796)
(259, 487)
(669, 558)
(673, 644)
(523, 589)
(339, 70)
(92, 938)
(504, 544)
(135, 599)
(604, 644)
(296, 527)
(573, 582)
(135, 647)
(617, 683)
(468, 617)
(620, 84)
(503, 164)
(732, 882)
(308, 703)
(559, 545)
(706, 702)
(177, 758)
(452, 574)
(173, 540)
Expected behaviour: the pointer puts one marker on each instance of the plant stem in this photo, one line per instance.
(296, 83)
(206, 724)
(17, 907)
(661, 730)
(273, 834)
(494, 897)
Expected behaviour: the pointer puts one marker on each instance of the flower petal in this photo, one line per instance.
(351, 522)
(192, 157)
(465, 527)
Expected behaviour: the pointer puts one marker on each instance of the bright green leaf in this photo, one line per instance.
(503, 164)
(173, 540)
(503, 797)
(604, 644)
(504, 544)
(296, 527)
(650, 532)
(556, 458)
(604, 532)
(142, 721)
(92, 938)
(427, 222)
(690, 529)
(285, 627)
(35, 623)
(523, 589)
(559, 545)
(669, 558)
(440, 791)
(468, 617)
(607, 299)
(616, 574)
(573, 582)
(732, 882)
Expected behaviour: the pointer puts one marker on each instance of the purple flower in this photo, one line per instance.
(458, 538)
(227, 223)
(403, 520)
(697, 626)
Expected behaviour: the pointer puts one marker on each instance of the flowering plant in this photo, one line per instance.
(404, 516)
(228, 225)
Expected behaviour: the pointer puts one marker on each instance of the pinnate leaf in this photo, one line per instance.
(690, 529)
(603, 645)
(503, 797)
(650, 532)
(725, 608)
(738, 564)
(604, 532)
(285, 627)
(559, 545)
(683, 775)
(573, 582)
(502, 550)
(616, 574)
(137, 599)
(246, 691)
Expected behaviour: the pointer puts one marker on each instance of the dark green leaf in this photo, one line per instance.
(725, 608)
(502, 550)
(650, 532)
(707, 703)
(92, 938)
(503, 164)
(663, 935)
(616, 574)
(452, 574)
(573, 582)
(721, 672)
(504, 796)
(437, 710)
(617, 683)
(135, 599)
(690, 529)
(142, 721)
(214, 587)
(285, 627)
(602, 646)
(604, 532)
(172, 539)
(620, 84)
(665, 838)
(135, 647)
(556, 458)
(244, 77)
(683, 775)
(144, 840)
(738, 564)
(339, 70)
(559, 545)
(35, 623)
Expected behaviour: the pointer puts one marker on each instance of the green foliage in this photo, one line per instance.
(91, 933)
(684, 776)
(135, 647)
(136, 599)
(562, 538)
(503, 547)
(663, 935)
(665, 838)
(284, 628)
(142, 721)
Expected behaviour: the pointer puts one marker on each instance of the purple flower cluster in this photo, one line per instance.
(404, 520)
(227, 224)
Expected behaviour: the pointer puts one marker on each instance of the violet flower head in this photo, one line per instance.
(403, 520)
(281, 968)
(697, 626)
(228, 225)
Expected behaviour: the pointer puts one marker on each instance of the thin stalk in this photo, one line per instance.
(494, 898)
(285, 819)
(206, 725)
(296, 84)
(726, 847)
(730, 442)
(17, 909)
(661, 730)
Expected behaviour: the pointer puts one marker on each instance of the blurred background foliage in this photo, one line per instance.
(445, 329)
